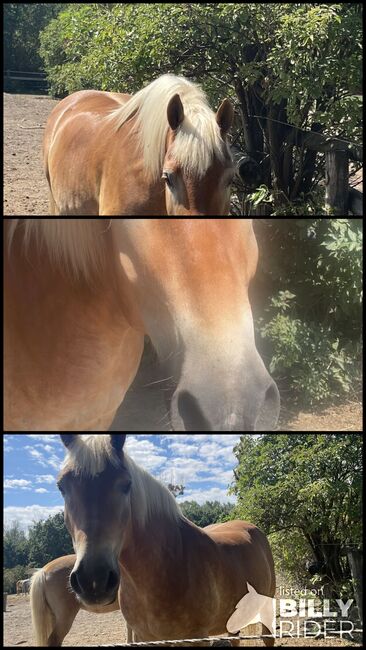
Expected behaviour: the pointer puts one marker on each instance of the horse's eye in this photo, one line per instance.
(168, 178)
(126, 487)
(61, 489)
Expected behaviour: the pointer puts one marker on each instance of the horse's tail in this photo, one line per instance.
(41, 613)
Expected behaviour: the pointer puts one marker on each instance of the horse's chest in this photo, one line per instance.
(166, 615)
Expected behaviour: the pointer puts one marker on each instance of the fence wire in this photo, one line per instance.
(220, 640)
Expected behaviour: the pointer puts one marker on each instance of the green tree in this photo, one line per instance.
(16, 547)
(208, 513)
(23, 23)
(11, 577)
(49, 539)
(309, 483)
(312, 329)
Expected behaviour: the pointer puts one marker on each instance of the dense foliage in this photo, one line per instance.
(312, 328)
(208, 513)
(304, 489)
(16, 547)
(46, 541)
(23, 23)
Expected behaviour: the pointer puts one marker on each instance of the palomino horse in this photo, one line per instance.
(175, 580)
(54, 605)
(161, 151)
(80, 294)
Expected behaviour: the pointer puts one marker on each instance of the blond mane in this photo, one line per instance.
(198, 138)
(76, 244)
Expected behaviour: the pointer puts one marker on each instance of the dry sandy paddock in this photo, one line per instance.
(25, 185)
(88, 629)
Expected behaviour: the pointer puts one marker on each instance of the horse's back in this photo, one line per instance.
(241, 541)
(76, 143)
(95, 102)
(66, 562)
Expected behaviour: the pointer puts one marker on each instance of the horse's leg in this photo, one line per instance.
(62, 626)
(53, 608)
(64, 607)
(52, 205)
(269, 642)
(130, 634)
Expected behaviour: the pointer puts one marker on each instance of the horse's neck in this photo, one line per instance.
(151, 551)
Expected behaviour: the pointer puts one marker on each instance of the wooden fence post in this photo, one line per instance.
(336, 183)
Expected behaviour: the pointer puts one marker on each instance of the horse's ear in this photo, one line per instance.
(118, 442)
(68, 439)
(225, 117)
(175, 112)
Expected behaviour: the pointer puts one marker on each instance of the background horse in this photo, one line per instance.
(80, 295)
(22, 587)
(175, 580)
(26, 586)
(53, 603)
(161, 151)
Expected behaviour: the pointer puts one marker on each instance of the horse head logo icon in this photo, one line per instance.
(253, 608)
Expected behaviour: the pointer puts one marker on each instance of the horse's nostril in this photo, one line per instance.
(190, 412)
(269, 413)
(75, 583)
(113, 581)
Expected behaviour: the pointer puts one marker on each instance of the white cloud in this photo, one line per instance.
(44, 456)
(45, 478)
(51, 438)
(26, 516)
(12, 484)
(145, 453)
(211, 494)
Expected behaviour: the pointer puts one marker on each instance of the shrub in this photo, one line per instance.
(313, 322)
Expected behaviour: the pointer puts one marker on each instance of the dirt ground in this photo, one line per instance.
(340, 417)
(88, 629)
(25, 186)
(110, 629)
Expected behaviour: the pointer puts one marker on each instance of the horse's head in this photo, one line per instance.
(198, 168)
(96, 484)
(189, 283)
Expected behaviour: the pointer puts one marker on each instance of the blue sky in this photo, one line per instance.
(203, 463)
